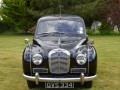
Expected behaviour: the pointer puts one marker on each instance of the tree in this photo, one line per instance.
(14, 13)
(110, 12)
(84, 8)
(23, 14)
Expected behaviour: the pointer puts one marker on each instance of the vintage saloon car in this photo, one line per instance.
(60, 55)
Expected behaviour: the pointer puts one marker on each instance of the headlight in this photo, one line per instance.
(81, 59)
(37, 59)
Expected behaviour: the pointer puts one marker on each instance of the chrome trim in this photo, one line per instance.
(30, 58)
(71, 71)
(37, 78)
(81, 41)
(59, 50)
(82, 79)
(41, 69)
(88, 59)
(42, 79)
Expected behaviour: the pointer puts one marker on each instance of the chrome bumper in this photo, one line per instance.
(38, 79)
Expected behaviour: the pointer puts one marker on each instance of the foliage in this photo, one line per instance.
(3, 26)
(110, 12)
(14, 13)
(87, 11)
(23, 14)
(105, 29)
(84, 8)
(90, 32)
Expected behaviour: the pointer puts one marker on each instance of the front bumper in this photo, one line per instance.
(38, 79)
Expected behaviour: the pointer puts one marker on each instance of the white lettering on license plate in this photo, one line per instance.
(59, 85)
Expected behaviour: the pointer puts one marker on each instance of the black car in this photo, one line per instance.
(61, 55)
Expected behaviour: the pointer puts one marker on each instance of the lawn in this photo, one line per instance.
(11, 48)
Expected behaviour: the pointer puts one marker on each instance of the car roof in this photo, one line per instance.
(63, 16)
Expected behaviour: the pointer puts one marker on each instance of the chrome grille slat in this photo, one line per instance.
(59, 61)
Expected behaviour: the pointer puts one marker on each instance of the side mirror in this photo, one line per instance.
(90, 43)
(27, 41)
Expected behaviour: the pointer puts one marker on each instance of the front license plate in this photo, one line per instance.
(59, 85)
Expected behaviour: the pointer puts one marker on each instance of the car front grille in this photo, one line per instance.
(59, 61)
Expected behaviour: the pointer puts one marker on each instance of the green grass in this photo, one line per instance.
(11, 48)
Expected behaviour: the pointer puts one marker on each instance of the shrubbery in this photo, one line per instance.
(105, 29)
(90, 32)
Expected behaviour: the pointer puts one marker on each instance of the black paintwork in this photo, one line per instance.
(44, 45)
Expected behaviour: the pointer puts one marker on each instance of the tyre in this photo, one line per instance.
(31, 84)
(88, 84)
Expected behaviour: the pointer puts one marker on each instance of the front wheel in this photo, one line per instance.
(88, 84)
(31, 84)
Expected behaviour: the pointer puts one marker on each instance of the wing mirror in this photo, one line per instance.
(27, 41)
(90, 43)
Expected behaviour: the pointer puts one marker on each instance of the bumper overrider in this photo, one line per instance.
(80, 79)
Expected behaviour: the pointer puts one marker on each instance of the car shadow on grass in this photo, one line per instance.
(38, 88)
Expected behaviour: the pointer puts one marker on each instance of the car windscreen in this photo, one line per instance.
(66, 26)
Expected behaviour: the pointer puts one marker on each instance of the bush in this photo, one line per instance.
(90, 32)
(105, 29)
(3, 27)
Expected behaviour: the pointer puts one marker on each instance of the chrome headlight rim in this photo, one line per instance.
(37, 59)
(81, 59)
